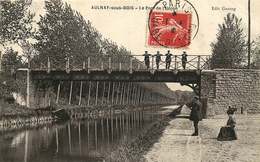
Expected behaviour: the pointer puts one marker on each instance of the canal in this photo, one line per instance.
(89, 140)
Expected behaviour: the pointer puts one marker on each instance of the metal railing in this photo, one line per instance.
(121, 63)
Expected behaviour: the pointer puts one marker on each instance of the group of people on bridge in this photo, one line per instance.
(168, 59)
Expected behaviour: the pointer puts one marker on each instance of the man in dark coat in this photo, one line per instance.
(184, 59)
(195, 115)
(147, 59)
(157, 59)
(168, 59)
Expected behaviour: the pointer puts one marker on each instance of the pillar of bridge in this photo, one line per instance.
(117, 92)
(70, 92)
(103, 93)
(58, 92)
(89, 92)
(124, 94)
(96, 93)
(80, 92)
(208, 92)
(108, 93)
(113, 93)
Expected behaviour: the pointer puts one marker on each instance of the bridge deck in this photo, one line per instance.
(162, 75)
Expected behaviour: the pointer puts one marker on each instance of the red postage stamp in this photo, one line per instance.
(169, 29)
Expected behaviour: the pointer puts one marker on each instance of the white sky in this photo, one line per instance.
(129, 28)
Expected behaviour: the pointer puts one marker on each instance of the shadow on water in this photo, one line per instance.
(77, 141)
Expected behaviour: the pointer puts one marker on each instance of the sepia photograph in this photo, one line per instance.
(129, 81)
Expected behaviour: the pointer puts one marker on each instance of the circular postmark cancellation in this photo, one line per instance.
(172, 23)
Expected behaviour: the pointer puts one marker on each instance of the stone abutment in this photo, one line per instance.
(239, 88)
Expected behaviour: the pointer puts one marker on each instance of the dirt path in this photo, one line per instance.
(176, 144)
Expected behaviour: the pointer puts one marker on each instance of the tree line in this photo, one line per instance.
(61, 33)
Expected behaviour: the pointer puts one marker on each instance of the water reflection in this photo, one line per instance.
(88, 140)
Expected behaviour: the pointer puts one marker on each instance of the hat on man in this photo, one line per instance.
(196, 97)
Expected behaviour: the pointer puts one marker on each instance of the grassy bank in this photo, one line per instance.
(15, 110)
(15, 117)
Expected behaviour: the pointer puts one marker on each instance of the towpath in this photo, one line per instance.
(176, 144)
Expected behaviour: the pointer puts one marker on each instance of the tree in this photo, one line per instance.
(230, 48)
(15, 24)
(15, 21)
(11, 61)
(64, 33)
(15, 28)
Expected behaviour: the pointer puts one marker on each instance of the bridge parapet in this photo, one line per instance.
(121, 63)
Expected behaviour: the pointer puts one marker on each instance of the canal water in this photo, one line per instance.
(75, 141)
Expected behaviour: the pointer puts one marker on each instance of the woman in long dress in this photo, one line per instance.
(228, 132)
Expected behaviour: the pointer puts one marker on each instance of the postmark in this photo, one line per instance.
(172, 23)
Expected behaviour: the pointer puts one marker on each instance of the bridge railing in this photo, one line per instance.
(121, 63)
(176, 63)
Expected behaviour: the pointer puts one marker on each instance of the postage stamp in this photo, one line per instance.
(168, 29)
(172, 23)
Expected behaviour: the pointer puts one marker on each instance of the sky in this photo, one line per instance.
(129, 28)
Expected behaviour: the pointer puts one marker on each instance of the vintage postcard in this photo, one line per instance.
(129, 80)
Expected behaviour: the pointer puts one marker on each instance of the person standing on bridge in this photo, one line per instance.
(157, 59)
(168, 59)
(195, 115)
(184, 59)
(147, 59)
